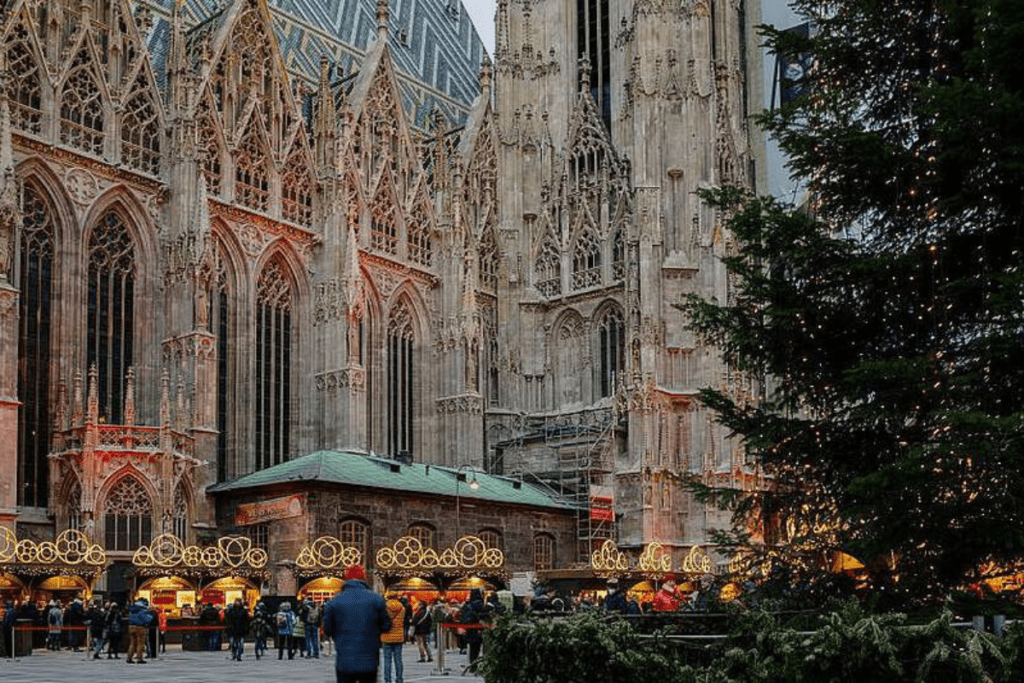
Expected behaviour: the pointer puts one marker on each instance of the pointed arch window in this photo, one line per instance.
(273, 366)
(222, 323)
(34, 346)
(593, 41)
(111, 320)
(297, 191)
(252, 179)
(384, 229)
(401, 376)
(549, 269)
(81, 108)
(421, 247)
(611, 333)
(140, 132)
(24, 89)
(586, 261)
(128, 515)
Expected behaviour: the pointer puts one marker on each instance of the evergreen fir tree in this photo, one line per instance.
(886, 317)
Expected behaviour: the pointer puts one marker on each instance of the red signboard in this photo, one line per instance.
(602, 509)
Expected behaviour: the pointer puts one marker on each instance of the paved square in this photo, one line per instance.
(176, 666)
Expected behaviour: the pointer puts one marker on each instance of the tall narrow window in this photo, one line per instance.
(81, 108)
(179, 517)
(593, 41)
(252, 181)
(612, 344)
(273, 366)
(35, 316)
(111, 320)
(140, 132)
(543, 552)
(128, 521)
(220, 322)
(74, 506)
(400, 380)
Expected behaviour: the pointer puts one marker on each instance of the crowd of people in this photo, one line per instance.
(138, 630)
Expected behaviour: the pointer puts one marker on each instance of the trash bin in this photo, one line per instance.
(23, 638)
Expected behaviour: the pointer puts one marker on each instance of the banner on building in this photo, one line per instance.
(602, 504)
(266, 510)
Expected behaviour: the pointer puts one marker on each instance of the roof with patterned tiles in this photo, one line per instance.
(434, 45)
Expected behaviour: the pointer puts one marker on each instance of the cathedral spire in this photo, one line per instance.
(383, 15)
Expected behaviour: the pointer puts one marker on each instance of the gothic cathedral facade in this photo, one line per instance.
(227, 241)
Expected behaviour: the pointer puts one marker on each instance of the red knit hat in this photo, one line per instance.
(356, 571)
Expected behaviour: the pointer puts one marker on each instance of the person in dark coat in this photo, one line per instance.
(422, 623)
(75, 620)
(262, 628)
(97, 619)
(355, 619)
(616, 601)
(115, 627)
(474, 612)
(236, 623)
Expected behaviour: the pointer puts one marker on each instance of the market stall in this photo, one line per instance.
(179, 578)
(450, 574)
(63, 569)
(320, 566)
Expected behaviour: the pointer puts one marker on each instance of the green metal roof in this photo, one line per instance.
(358, 469)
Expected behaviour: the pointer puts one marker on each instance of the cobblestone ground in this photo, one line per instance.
(175, 666)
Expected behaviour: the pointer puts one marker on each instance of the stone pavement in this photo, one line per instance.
(176, 666)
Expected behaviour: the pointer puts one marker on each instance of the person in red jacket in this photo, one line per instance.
(666, 599)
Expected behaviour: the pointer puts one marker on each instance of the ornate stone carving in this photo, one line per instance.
(81, 185)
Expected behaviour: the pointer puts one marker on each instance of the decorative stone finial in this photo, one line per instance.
(383, 15)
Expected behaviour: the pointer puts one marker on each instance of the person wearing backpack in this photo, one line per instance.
(261, 629)
(55, 622)
(312, 613)
(285, 620)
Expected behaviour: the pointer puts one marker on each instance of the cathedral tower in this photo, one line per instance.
(611, 114)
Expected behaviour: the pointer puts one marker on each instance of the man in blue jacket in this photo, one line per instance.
(354, 620)
(139, 619)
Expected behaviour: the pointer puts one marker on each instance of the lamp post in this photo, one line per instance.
(473, 485)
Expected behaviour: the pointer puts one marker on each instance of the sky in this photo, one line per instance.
(482, 14)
